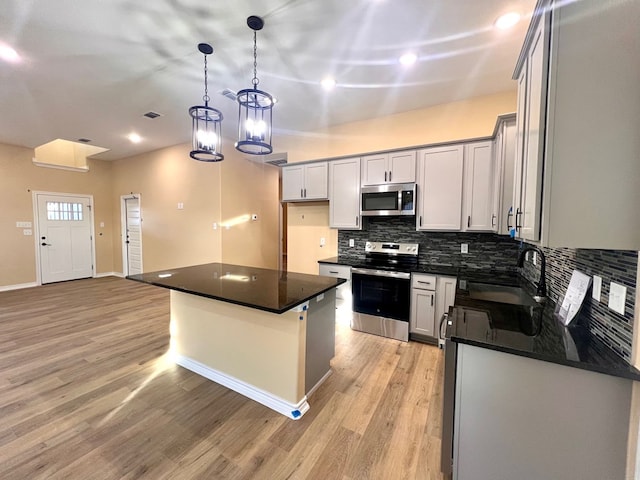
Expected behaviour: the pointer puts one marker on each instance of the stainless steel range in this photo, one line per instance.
(382, 290)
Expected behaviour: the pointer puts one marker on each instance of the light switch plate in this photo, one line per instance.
(617, 297)
(596, 290)
(23, 224)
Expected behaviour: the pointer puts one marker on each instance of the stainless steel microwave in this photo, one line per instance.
(397, 199)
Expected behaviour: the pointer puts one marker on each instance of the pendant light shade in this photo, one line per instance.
(206, 122)
(255, 108)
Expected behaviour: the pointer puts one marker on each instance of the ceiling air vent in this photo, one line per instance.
(230, 94)
(84, 140)
(152, 115)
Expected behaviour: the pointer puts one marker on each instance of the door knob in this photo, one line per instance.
(44, 244)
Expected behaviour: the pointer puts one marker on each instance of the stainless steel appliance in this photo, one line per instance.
(382, 290)
(398, 199)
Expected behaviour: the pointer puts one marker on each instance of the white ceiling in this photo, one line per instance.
(92, 68)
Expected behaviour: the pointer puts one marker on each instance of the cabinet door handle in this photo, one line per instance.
(518, 212)
(389, 176)
(357, 220)
(420, 220)
(301, 193)
(469, 221)
(426, 283)
(385, 176)
(509, 215)
(432, 300)
(493, 220)
(305, 193)
(331, 271)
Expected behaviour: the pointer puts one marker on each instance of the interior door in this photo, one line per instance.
(133, 235)
(65, 243)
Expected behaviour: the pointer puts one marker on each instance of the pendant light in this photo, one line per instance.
(206, 122)
(255, 108)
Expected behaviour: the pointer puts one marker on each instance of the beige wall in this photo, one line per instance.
(174, 238)
(471, 118)
(18, 179)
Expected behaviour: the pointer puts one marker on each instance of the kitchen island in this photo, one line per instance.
(267, 334)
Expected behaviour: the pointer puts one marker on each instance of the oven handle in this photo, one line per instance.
(381, 273)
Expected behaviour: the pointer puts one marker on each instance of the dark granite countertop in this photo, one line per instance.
(273, 291)
(531, 331)
(514, 328)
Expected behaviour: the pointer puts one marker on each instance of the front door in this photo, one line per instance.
(65, 242)
(132, 235)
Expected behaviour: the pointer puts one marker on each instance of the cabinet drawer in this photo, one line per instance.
(424, 282)
(338, 271)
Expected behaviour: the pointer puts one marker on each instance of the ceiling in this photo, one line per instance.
(92, 68)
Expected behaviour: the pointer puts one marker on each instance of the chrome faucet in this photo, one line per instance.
(541, 288)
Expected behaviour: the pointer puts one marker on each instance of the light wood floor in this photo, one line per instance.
(86, 392)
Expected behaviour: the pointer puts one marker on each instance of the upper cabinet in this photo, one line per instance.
(532, 98)
(397, 167)
(578, 123)
(478, 193)
(504, 152)
(440, 178)
(344, 194)
(305, 182)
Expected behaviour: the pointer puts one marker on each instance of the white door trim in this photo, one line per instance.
(123, 230)
(36, 229)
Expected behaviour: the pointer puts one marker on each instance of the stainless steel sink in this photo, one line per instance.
(500, 294)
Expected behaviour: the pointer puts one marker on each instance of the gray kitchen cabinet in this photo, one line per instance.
(431, 297)
(344, 194)
(440, 179)
(578, 119)
(478, 191)
(343, 292)
(517, 418)
(385, 168)
(445, 297)
(423, 294)
(305, 182)
(530, 135)
(505, 156)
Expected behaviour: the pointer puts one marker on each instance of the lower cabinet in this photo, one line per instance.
(431, 297)
(343, 292)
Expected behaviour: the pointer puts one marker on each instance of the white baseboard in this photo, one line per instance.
(265, 398)
(108, 274)
(19, 286)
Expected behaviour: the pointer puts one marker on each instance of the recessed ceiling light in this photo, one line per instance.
(9, 54)
(328, 83)
(507, 20)
(134, 138)
(408, 59)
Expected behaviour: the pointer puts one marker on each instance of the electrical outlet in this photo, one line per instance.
(27, 232)
(322, 241)
(464, 248)
(352, 242)
(180, 206)
(215, 225)
(596, 290)
(617, 297)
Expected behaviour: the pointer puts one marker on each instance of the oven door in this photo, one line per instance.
(381, 293)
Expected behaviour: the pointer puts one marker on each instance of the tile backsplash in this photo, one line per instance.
(486, 251)
(619, 266)
(499, 253)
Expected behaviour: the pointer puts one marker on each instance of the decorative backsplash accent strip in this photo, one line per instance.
(486, 251)
(618, 266)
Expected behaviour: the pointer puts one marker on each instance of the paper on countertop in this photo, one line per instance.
(576, 292)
